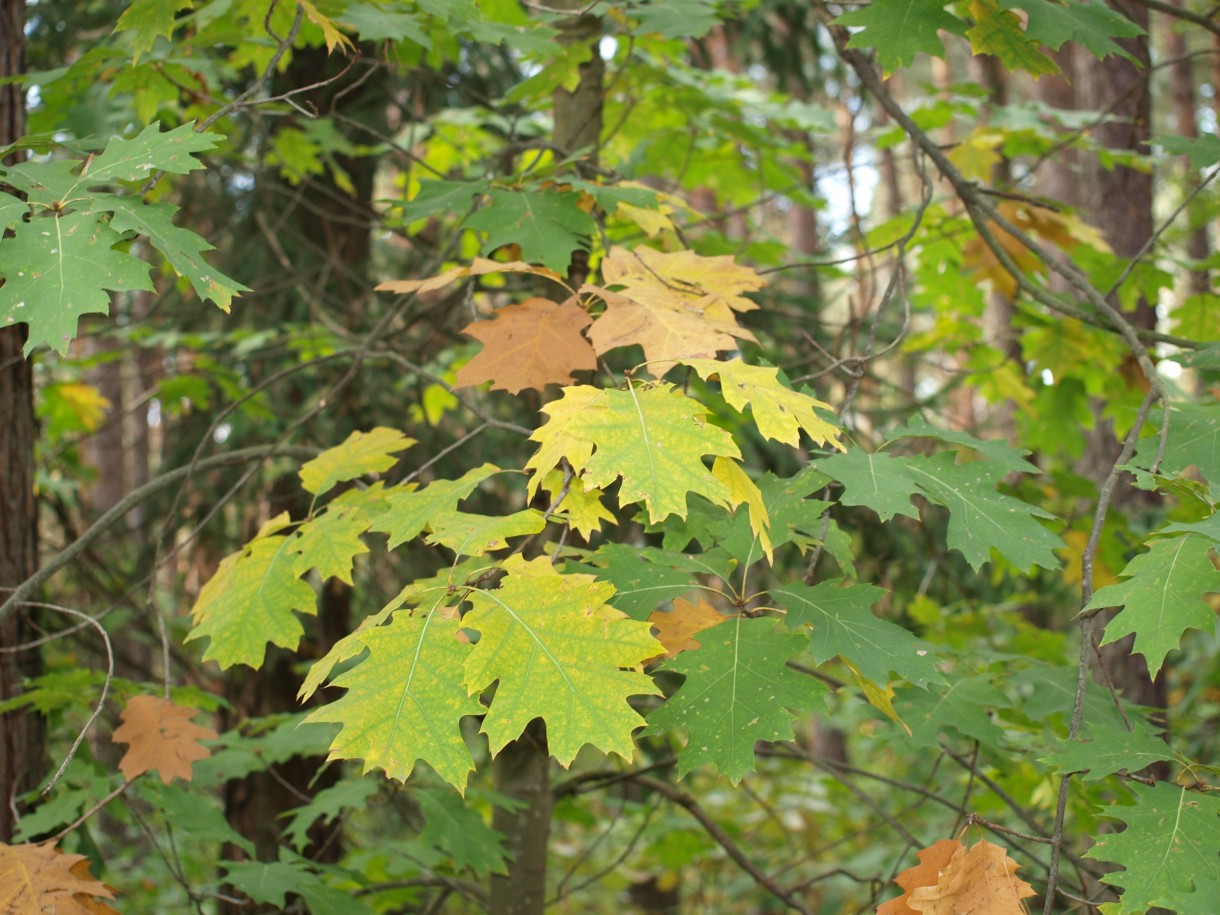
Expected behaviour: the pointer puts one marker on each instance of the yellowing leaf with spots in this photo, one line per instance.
(361, 453)
(779, 412)
(744, 490)
(653, 437)
(582, 508)
(555, 651)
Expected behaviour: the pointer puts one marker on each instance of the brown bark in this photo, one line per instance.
(522, 771)
(22, 732)
(1185, 100)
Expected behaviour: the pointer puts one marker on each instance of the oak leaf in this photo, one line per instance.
(160, 735)
(40, 878)
(480, 266)
(529, 345)
(673, 305)
(581, 508)
(932, 860)
(675, 629)
(981, 881)
(652, 436)
(779, 412)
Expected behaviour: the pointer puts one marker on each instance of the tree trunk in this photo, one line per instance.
(22, 732)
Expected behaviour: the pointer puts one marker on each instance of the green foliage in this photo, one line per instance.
(849, 524)
(1168, 850)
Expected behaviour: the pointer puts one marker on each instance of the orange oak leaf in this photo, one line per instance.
(932, 860)
(981, 881)
(675, 306)
(161, 736)
(529, 345)
(480, 266)
(675, 628)
(40, 878)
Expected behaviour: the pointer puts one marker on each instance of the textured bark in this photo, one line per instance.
(22, 732)
(522, 771)
(1185, 101)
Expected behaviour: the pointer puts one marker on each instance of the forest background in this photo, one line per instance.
(666, 457)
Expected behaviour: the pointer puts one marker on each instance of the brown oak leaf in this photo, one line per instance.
(675, 628)
(529, 345)
(678, 305)
(931, 861)
(981, 881)
(161, 736)
(480, 266)
(39, 878)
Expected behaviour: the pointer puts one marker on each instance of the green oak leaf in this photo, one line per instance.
(558, 654)
(964, 706)
(1090, 23)
(149, 151)
(998, 450)
(361, 453)
(441, 197)
(149, 20)
(329, 803)
(405, 700)
(253, 599)
(843, 624)
(1194, 440)
(408, 510)
(1202, 151)
(181, 247)
(900, 29)
(270, 883)
(378, 23)
(1169, 847)
(45, 183)
(1162, 596)
(12, 210)
(547, 226)
(981, 519)
(676, 18)
(642, 579)
(474, 535)
(779, 412)
(652, 436)
(876, 480)
(59, 269)
(452, 827)
(1108, 750)
(738, 690)
(330, 543)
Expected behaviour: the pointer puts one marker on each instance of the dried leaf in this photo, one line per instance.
(675, 628)
(480, 266)
(932, 860)
(675, 306)
(530, 345)
(981, 881)
(161, 736)
(39, 878)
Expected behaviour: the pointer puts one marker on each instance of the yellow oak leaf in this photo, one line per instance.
(480, 266)
(880, 696)
(330, 32)
(529, 345)
(161, 736)
(676, 627)
(743, 489)
(652, 437)
(779, 412)
(582, 507)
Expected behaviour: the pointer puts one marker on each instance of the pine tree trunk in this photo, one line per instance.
(22, 732)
